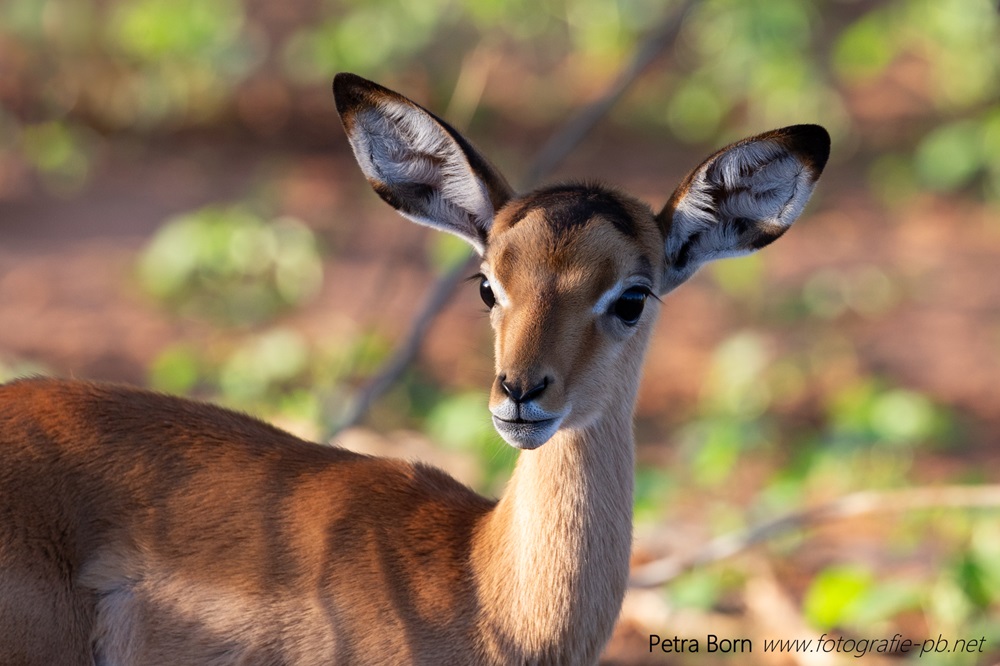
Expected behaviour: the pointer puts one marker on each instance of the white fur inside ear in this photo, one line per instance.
(759, 181)
(404, 148)
(762, 182)
(738, 201)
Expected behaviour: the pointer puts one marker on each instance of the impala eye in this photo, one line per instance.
(486, 292)
(629, 305)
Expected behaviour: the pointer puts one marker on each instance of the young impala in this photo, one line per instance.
(138, 528)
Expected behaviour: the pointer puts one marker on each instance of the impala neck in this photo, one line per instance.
(552, 558)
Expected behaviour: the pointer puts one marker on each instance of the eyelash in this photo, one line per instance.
(630, 305)
(485, 290)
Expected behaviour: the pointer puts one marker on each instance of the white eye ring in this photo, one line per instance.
(605, 303)
(499, 295)
(486, 292)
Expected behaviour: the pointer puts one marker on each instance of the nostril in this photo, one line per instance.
(515, 392)
(536, 391)
(511, 392)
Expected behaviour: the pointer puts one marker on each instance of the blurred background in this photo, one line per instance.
(179, 209)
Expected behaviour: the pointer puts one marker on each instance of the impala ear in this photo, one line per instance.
(741, 198)
(417, 163)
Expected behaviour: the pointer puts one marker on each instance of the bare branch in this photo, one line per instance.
(666, 569)
(393, 369)
(562, 144)
(548, 158)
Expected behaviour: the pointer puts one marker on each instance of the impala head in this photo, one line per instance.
(572, 274)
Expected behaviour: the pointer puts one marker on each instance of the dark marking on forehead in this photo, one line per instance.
(644, 269)
(506, 263)
(570, 206)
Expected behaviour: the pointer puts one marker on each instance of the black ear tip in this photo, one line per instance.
(342, 81)
(812, 142)
(349, 90)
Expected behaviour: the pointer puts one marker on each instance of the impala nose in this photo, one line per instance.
(515, 389)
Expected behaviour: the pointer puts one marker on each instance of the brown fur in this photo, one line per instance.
(116, 496)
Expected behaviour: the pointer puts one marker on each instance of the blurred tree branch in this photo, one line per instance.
(662, 571)
(548, 158)
(562, 144)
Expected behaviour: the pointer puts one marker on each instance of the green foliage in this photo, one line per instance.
(696, 111)
(461, 422)
(757, 55)
(733, 401)
(733, 385)
(367, 36)
(867, 47)
(447, 251)
(61, 153)
(175, 370)
(230, 265)
(741, 278)
(851, 597)
(953, 155)
(275, 372)
(974, 572)
(699, 589)
(738, 66)
(262, 363)
(885, 600)
(960, 38)
(157, 30)
(949, 157)
(654, 489)
(715, 446)
(966, 590)
(865, 412)
(835, 593)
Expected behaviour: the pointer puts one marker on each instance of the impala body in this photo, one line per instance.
(139, 528)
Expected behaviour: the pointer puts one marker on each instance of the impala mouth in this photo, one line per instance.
(526, 434)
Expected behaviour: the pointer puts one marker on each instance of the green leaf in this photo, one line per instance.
(885, 600)
(652, 491)
(57, 150)
(263, 362)
(446, 251)
(834, 595)
(175, 369)
(865, 48)
(698, 589)
(902, 415)
(740, 277)
(156, 30)
(695, 111)
(733, 386)
(230, 265)
(950, 156)
(460, 421)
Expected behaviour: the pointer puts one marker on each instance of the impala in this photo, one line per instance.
(140, 528)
